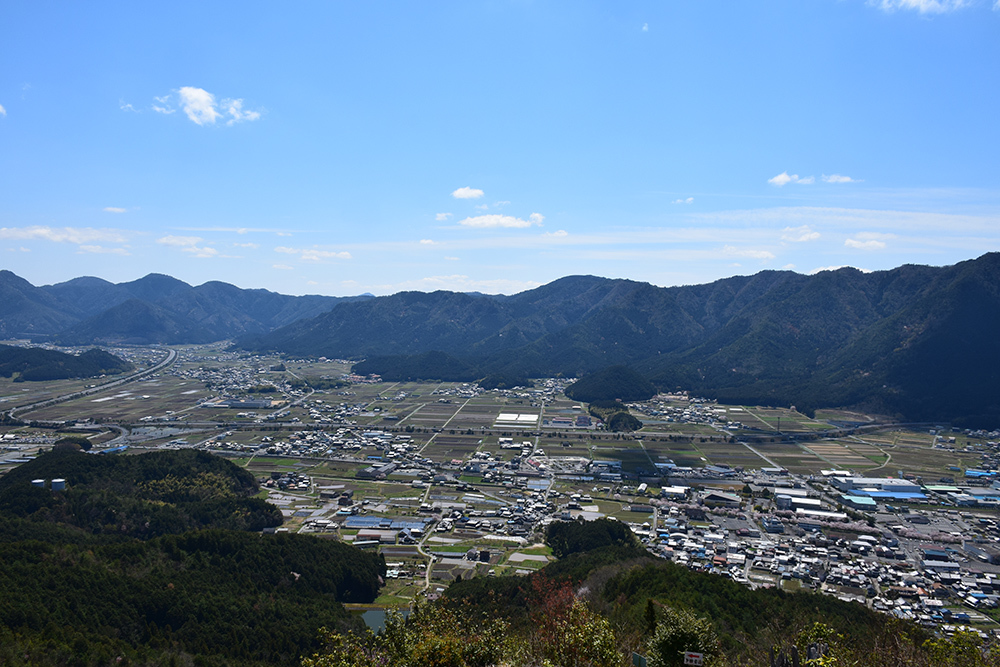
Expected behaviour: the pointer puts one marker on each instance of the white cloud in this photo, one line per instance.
(163, 105)
(199, 105)
(557, 234)
(837, 178)
(3, 112)
(77, 235)
(732, 251)
(507, 203)
(467, 193)
(283, 233)
(426, 242)
(313, 254)
(101, 250)
(236, 113)
(114, 209)
(799, 234)
(784, 178)
(282, 267)
(483, 207)
(689, 200)
(876, 236)
(996, 6)
(442, 217)
(495, 220)
(189, 244)
(251, 246)
(452, 259)
(788, 267)
(922, 6)
(645, 27)
(864, 245)
(125, 106)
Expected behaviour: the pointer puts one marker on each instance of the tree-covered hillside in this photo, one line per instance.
(158, 559)
(38, 364)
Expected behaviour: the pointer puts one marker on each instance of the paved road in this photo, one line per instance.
(166, 361)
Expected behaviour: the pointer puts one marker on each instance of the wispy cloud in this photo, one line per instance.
(125, 106)
(560, 233)
(189, 244)
(799, 234)
(733, 251)
(313, 254)
(3, 112)
(76, 235)
(645, 27)
(496, 220)
(784, 178)
(922, 6)
(467, 193)
(858, 244)
(282, 267)
(201, 108)
(101, 250)
(236, 112)
(689, 200)
(442, 217)
(837, 178)
(250, 246)
(114, 209)
(426, 242)
(853, 218)
(163, 105)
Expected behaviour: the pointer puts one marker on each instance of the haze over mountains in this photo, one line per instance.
(915, 341)
(153, 309)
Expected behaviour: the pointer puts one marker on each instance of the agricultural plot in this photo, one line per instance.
(731, 454)
(792, 457)
(780, 419)
(839, 456)
(684, 454)
(446, 448)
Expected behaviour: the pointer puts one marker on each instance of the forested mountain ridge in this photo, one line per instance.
(152, 309)
(913, 341)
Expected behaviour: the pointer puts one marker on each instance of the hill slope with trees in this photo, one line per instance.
(36, 364)
(158, 559)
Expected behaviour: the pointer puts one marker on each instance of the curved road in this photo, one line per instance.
(166, 361)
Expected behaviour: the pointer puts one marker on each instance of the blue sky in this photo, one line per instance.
(346, 147)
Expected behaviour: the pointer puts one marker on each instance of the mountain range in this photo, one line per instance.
(153, 309)
(915, 342)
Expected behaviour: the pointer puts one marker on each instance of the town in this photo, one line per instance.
(451, 480)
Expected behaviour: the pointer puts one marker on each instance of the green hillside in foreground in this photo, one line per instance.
(157, 559)
(606, 598)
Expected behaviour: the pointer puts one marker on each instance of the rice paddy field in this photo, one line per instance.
(452, 424)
